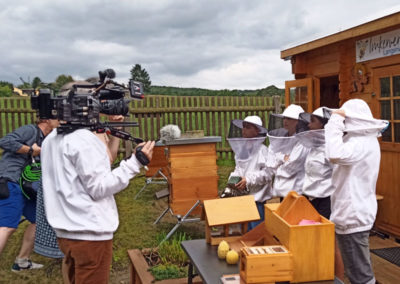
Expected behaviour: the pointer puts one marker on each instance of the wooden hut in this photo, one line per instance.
(362, 62)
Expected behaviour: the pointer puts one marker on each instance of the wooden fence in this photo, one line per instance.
(211, 114)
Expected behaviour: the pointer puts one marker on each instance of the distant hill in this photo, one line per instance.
(175, 91)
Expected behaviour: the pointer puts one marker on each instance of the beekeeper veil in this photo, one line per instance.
(359, 120)
(246, 137)
(315, 136)
(283, 127)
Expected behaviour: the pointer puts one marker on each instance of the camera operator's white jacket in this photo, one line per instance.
(289, 174)
(79, 185)
(318, 174)
(356, 157)
(258, 176)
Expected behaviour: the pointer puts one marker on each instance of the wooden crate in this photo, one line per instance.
(312, 246)
(265, 264)
(224, 212)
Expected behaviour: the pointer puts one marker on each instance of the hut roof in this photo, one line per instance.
(378, 24)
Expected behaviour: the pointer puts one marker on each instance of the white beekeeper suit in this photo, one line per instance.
(250, 159)
(286, 157)
(318, 169)
(352, 145)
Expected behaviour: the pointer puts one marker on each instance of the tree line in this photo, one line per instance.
(140, 74)
(176, 91)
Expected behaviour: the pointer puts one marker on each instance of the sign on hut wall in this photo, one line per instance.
(378, 46)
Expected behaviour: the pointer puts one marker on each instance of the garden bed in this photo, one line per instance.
(140, 270)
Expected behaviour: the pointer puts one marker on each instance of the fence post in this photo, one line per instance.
(277, 104)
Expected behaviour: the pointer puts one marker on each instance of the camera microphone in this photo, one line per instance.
(109, 73)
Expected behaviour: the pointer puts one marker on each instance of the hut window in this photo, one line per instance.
(385, 87)
(299, 96)
(390, 107)
(396, 86)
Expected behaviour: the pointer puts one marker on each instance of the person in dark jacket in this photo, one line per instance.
(19, 147)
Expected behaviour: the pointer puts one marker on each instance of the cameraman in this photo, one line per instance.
(78, 189)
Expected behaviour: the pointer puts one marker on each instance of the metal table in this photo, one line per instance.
(203, 257)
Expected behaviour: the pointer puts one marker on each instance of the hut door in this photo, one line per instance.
(386, 105)
(300, 92)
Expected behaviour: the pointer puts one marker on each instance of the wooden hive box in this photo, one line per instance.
(312, 246)
(225, 212)
(192, 175)
(265, 264)
(158, 161)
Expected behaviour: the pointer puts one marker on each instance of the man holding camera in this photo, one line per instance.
(78, 189)
(19, 147)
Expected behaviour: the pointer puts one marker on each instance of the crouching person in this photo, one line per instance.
(352, 146)
(78, 191)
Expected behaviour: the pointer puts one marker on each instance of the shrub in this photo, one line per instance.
(168, 271)
(171, 251)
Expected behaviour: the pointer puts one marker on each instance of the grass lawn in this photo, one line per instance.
(136, 230)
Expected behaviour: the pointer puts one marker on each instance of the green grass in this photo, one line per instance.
(136, 230)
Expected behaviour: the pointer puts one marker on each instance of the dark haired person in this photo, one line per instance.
(317, 184)
(250, 161)
(78, 190)
(18, 147)
(286, 155)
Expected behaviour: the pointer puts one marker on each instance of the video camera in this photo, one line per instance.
(80, 105)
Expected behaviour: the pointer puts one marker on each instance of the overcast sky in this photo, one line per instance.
(233, 44)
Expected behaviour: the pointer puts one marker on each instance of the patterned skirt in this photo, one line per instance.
(45, 237)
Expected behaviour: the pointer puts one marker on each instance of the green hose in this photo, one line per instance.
(30, 173)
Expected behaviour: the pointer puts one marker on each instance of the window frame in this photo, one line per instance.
(379, 73)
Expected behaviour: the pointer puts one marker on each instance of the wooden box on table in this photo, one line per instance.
(192, 172)
(225, 212)
(312, 246)
(264, 264)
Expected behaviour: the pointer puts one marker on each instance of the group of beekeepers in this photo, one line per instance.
(332, 157)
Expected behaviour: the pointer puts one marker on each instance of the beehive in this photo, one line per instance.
(192, 173)
(158, 161)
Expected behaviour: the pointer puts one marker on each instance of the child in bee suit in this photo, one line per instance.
(246, 138)
(317, 186)
(286, 154)
(352, 146)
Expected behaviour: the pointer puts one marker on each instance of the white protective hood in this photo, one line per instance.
(359, 119)
(312, 138)
(245, 148)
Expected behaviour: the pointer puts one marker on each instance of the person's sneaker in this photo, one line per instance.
(25, 264)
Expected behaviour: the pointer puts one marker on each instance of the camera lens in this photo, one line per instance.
(114, 107)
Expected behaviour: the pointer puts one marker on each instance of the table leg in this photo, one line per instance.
(190, 273)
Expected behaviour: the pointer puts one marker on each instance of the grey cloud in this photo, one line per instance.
(169, 38)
